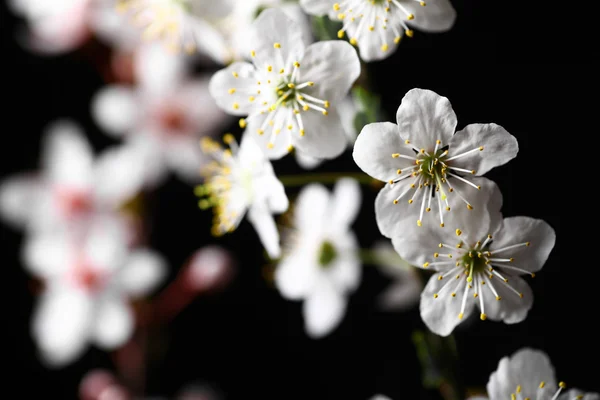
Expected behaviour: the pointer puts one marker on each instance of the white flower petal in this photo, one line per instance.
(106, 243)
(333, 65)
(512, 308)
(388, 213)
(229, 88)
(211, 42)
(61, 325)
(424, 117)
(151, 151)
(579, 395)
(194, 99)
(324, 134)
(263, 222)
(441, 314)
(18, 196)
(527, 367)
(400, 296)
(437, 16)
(116, 109)
(323, 309)
(417, 246)
(317, 7)
(114, 323)
(274, 26)
(346, 271)
(373, 151)
(156, 70)
(68, 157)
(295, 276)
(516, 230)
(47, 255)
(370, 43)
(274, 146)
(499, 147)
(311, 207)
(143, 271)
(306, 161)
(185, 157)
(119, 175)
(345, 203)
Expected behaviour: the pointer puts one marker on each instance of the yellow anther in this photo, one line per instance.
(409, 33)
(426, 265)
(453, 294)
(440, 277)
(428, 209)
(458, 232)
(282, 71)
(469, 279)
(384, 47)
(399, 171)
(311, 84)
(397, 39)
(518, 388)
(228, 138)
(423, 4)
(336, 7)
(440, 245)
(410, 17)
(296, 64)
(253, 53)
(341, 16)
(395, 201)
(260, 132)
(290, 148)
(461, 315)
(235, 74)
(305, 108)
(498, 298)
(325, 112)
(302, 132)
(483, 317)
(410, 201)
(562, 385)
(447, 208)
(470, 207)
(435, 296)
(473, 171)
(436, 255)
(326, 104)
(391, 181)
(441, 225)
(277, 45)
(251, 99)
(270, 145)
(419, 223)
(269, 68)
(481, 148)
(231, 91)
(528, 244)
(291, 85)
(387, 9)
(236, 106)
(520, 294)
(395, 155)
(353, 41)
(371, 28)
(242, 123)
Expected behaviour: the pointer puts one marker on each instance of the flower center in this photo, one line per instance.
(73, 203)
(165, 19)
(173, 120)
(431, 172)
(327, 254)
(479, 263)
(365, 17)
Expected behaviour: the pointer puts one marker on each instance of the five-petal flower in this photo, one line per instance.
(288, 93)
(424, 162)
(320, 262)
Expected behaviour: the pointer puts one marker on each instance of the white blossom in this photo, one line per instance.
(377, 26)
(72, 186)
(88, 279)
(528, 374)
(162, 117)
(289, 92)
(239, 180)
(182, 24)
(478, 264)
(427, 166)
(320, 262)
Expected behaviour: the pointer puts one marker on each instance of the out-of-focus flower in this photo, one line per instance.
(479, 265)
(529, 374)
(347, 109)
(320, 262)
(163, 117)
(377, 27)
(380, 397)
(100, 384)
(208, 267)
(405, 292)
(241, 179)
(53, 26)
(424, 162)
(72, 186)
(89, 278)
(182, 24)
(289, 93)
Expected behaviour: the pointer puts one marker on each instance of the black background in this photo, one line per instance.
(519, 65)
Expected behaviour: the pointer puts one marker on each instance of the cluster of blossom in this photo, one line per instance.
(291, 96)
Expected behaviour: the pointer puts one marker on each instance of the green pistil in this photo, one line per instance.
(432, 166)
(327, 253)
(474, 262)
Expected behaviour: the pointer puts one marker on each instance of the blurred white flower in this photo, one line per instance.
(479, 265)
(89, 278)
(405, 292)
(320, 262)
(54, 26)
(377, 26)
(163, 117)
(241, 179)
(182, 24)
(528, 374)
(71, 187)
(424, 161)
(347, 109)
(289, 93)
(208, 267)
